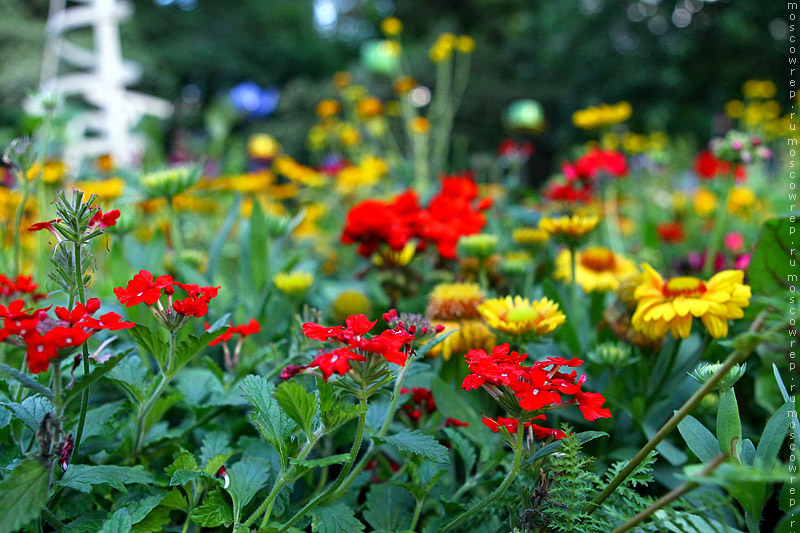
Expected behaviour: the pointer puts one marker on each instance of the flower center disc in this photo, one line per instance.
(684, 286)
(521, 314)
(598, 259)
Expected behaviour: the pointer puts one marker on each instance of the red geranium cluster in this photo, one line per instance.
(46, 338)
(393, 344)
(513, 151)
(582, 175)
(455, 211)
(142, 288)
(709, 167)
(22, 286)
(537, 387)
(671, 232)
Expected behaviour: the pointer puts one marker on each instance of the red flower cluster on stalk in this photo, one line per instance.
(671, 232)
(394, 345)
(455, 211)
(582, 175)
(708, 167)
(533, 388)
(143, 288)
(45, 338)
(244, 330)
(21, 286)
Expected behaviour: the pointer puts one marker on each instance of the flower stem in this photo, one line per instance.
(321, 498)
(738, 355)
(76, 251)
(716, 236)
(572, 266)
(512, 474)
(166, 376)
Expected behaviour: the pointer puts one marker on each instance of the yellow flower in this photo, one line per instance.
(104, 163)
(469, 334)
(705, 202)
(465, 44)
(734, 108)
(52, 172)
(452, 301)
(740, 200)
(317, 138)
(262, 146)
(573, 227)
(404, 84)
(520, 316)
(602, 115)
(530, 237)
(420, 125)
(597, 268)
(349, 135)
(107, 190)
(293, 284)
(386, 256)
(251, 183)
(341, 79)
(391, 26)
(671, 305)
(308, 228)
(369, 107)
(328, 108)
(350, 302)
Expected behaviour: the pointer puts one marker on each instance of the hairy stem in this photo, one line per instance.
(76, 251)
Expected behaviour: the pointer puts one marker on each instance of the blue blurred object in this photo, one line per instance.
(256, 102)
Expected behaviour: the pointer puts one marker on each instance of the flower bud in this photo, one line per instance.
(613, 354)
(479, 246)
(705, 370)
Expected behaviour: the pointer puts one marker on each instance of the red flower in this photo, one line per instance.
(191, 306)
(708, 167)
(372, 223)
(335, 362)
(454, 422)
(542, 433)
(244, 330)
(590, 404)
(48, 225)
(142, 288)
(511, 424)
(100, 220)
(671, 232)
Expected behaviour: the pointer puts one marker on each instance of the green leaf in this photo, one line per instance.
(157, 518)
(100, 419)
(32, 410)
(247, 478)
(272, 424)
(140, 508)
(389, 508)
(336, 518)
(151, 343)
(184, 461)
(214, 512)
(97, 372)
(119, 522)
(771, 264)
(27, 381)
(772, 438)
(187, 349)
(82, 477)
(215, 463)
(700, 440)
(215, 443)
(729, 425)
(299, 405)
(338, 459)
(131, 375)
(183, 477)
(418, 443)
(582, 437)
(23, 495)
(464, 448)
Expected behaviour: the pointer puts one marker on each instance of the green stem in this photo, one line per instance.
(716, 236)
(52, 519)
(512, 474)
(575, 298)
(76, 251)
(381, 432)
(738, 355)
(175, 232)
(417, 513)
(166, 376)
(322, 497)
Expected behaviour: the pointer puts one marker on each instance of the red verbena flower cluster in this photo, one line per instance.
(671, 232)
(16, 288)
(582, 175)
(708, 167)
(244, 330)
(45, 338)
(422, 402)
(455, 211)
(143, 288)
(99, 220)
(394, 345)
(537, 387)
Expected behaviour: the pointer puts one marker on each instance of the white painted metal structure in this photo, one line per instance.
(99, 78)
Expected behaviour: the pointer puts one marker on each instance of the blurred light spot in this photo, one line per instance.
(778, 29)
(681, 17)
(624, 41)
(419, 96)
(649, 9)
(657, 25)
(636, 12)
(651, 2)
(384, 8)
(325, 14)
(694, 6)
(591, 7)
(190, 94)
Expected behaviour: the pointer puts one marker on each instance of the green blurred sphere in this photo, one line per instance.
(525, 116)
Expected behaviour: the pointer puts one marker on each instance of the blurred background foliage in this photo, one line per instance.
(675, 61)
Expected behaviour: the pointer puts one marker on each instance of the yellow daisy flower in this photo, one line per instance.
(520, 316)
(670, 305)
(573, 227)
(596, 268)
(293, 284)
(470, 334)
(530, 237)
(452, 301)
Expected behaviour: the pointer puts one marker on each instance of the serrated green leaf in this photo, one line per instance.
(151, 343)
(215, 463)
(389, 508)
(324, 461)
(418, 443)
(336, 518)
(23, 495)
(214, 443)
(247, 478)
(96, 373)
(83, 477)
(729, 425)
(119, 522)
(27, 381)
(700, 440)
(131, 375)
(184, 461)
(98, 419)
(298, 404)
(214, 511)
(582, 437)
(187, 349)
(31, 411)
(464, 448)
(183, 477)
(273, 425)
(140, 508)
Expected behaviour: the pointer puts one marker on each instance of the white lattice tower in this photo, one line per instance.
(98, 77)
